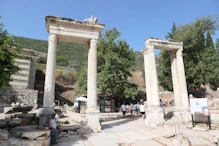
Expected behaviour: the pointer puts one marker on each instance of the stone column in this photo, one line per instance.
(49, 88)
(182, 111)
(175, 81)
(92, 110)
(182, 79)
(154, 114)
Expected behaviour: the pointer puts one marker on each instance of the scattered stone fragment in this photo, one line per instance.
(4, 134)
(35, 134)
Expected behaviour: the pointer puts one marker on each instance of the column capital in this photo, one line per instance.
(148, 50)
(52, 38)
(172, 54)
(93, 42)
(179, 52)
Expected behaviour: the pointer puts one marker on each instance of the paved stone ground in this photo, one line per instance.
(118, 132)
(133, 132)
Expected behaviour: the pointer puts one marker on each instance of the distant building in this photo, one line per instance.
(27, 63)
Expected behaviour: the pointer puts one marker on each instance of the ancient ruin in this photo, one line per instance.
(154, 112)
(83, 32)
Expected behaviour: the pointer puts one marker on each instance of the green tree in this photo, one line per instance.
(217, 45)
(210, 63)
(115, 62)
(198, 57)
(7, 66)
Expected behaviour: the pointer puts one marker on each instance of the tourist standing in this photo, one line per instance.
(162, 105)
(142, 110)
(137, 108)
(131, 108)
(123, 109)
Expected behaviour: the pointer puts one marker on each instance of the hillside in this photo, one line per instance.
(73, 54)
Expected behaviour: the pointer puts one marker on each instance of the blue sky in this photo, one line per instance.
(135, 19)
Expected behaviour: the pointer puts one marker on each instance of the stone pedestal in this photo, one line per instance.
(93, 120)
(45, 114)
(182, 114)
(154, 116)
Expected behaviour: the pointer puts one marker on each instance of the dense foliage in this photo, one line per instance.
(115, 63)
(7, 66)
(68, 54)
(200, 57)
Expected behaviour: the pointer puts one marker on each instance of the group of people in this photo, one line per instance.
(138, 108)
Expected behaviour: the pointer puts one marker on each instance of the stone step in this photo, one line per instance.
(23, 72)
(20, 77)
(23, 66)
(23, 61)
(18, 83)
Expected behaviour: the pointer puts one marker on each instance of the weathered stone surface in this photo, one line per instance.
(35, 134)
(7, 109)
(70, 128)
(27, 142)
(15, 122)
(4, 134)
(17, 131)
(3, 123)
(4, 143)
(163, 141)
(197, 141)
(29, 115)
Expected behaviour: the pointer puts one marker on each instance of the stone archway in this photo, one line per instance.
(154, 112)
(83, 32)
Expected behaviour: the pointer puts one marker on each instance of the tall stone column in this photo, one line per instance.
(175, 81)
(92, 110)
(183, 111)
(182, 79)
(154, 114)
(49, 88)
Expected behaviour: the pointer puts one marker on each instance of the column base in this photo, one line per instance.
(154, 116)
(182, 114)
(93, 119)
(45, 114)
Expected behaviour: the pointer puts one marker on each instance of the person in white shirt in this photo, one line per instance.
(162, 105)
(131, 108)
(142, 110)
(123, 109)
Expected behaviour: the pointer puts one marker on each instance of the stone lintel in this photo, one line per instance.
(164, 44)
(72, 30)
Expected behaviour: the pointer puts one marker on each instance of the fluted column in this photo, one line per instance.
(182, 79)
(175, 79)
(92, 111)
(49, 88)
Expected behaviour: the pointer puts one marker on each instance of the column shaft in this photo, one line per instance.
(151, 77)
(182, 79)
(92, 75)
(49, 89)
(175, 79)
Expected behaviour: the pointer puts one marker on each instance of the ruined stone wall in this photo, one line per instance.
(19, 94)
